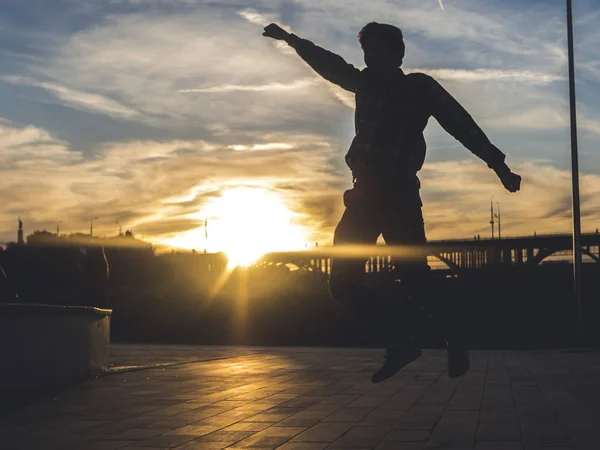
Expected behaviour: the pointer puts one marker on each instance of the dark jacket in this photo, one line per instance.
(391, 115)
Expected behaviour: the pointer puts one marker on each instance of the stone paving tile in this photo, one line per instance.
(549, 448)
(311, 399)
(499, 445)
(133, 434)
(225, 436)
(196, 445)
(452, 437)
(307, 418)
(498, 432)
(303, 446)
(405, 446)
(323, 432)
(361, 437)
(165, 441)
(459, 418)
(348, 414)
(106, 445)
(270, 437)
(407, 436)
(247, 426)
(421, 418)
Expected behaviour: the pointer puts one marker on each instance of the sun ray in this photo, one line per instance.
(241, 310)
(220, 282)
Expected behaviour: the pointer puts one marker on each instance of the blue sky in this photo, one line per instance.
(145, 111)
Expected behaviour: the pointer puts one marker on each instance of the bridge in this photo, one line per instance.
(453, 255)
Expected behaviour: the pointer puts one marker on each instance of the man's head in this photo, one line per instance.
(383, 45)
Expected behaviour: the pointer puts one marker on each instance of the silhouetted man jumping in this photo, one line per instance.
(392, 110)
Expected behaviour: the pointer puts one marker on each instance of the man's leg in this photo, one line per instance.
(360, 225)
(404, 226)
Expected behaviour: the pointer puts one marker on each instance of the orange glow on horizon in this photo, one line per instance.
(245, 223)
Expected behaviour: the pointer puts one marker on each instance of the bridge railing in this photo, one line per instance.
(455, 255)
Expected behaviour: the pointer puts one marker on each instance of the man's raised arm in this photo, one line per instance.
(459, 123)
(330, 66)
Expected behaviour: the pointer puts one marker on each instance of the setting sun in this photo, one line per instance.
(252, 221)
(245, 223)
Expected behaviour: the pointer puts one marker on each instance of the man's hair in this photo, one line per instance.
(390, 34)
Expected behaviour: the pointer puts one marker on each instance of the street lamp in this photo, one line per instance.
(120, 229)
(577, 256)
(57, 228)
(499, 223)
(92, 226)
(492, 214)
(205, 234)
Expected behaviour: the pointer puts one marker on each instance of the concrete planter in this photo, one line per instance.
(44, 347)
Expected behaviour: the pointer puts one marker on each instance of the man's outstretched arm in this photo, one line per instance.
(330, 66)
(459, 123)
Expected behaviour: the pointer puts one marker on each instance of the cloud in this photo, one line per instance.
(160, 189)
(243, 79)
(525, 76)
(153, 187)
(86, 101)
(253, 16)
(253, 88)
(270, 146)
(244, 82)
(21, 147)
(540, 118)
(457, 197)
(589, 125)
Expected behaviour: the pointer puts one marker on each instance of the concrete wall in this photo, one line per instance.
(45, 347)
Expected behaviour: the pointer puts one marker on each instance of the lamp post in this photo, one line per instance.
(492, 214)
(499, 222)
(205, 234)
(92, 226)
(120, 229)
(57, 227)
(577, 256)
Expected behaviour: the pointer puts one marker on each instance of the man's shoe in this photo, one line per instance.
(458, 360)
(396, 357)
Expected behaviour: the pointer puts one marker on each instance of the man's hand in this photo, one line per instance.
(510, 180)
(274, 31)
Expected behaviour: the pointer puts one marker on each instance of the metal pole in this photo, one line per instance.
(577, 257)
(92, 226)
(205, 234)
(492, 215)
(499, 223)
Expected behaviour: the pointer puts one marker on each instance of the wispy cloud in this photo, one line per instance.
(270, 146)
(253, 88)
(253, 16)
(78, 99)
(459, 192)
(160, 188)
(524, 76)
(263, 19)
(149, 185)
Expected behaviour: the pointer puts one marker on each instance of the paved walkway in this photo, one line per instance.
(311, 399)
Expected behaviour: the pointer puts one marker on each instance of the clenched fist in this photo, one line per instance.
(511, 181)
(274, 31)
